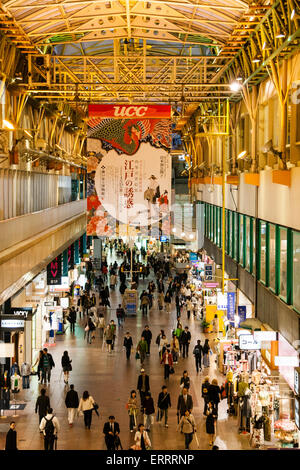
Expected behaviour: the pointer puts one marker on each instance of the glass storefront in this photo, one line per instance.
(263, 250)
(296, 270)
(272, 259)
(248, 242)
(283, 262)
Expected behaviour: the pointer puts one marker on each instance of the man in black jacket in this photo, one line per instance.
(148, 337)
(42, 405)
(164, 403)
(128, 344)
(185, 402)
(185, 339)
(143, 384)
(198, 355)
(72, 403)
(46, 364)
(11, 437)
(111, 430)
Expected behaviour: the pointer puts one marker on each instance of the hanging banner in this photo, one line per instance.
(76, 252)
(242, 312)
(71, 256)
(54, 272)
(230, 306)
(129, 185)
(65, 263)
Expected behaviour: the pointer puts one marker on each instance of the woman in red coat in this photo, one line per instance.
(167, 360)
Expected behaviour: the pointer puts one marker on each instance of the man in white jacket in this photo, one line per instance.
(50, 427)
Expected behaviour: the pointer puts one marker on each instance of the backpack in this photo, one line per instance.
(49, 428)
(197, 351)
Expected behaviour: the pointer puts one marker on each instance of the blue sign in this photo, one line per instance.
(230, 306)
(242, 311)
(208, 272)
(193, 256)
(163, 238)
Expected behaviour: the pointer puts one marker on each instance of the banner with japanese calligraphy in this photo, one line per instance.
(129, 175)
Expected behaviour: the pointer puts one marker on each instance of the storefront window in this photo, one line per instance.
(272, 255)
(220, 227)
(241, 246)
(215, 224)
(236, 235)
(296, 270)
(226, 229)
(210, 222)
(248, 244)
(263, 241)
(283, 262)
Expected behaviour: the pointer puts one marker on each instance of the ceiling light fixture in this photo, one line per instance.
(235, 86)
(256, 59)
(182, 234)
(8, 125)
(28, 133)
(241, 155)
(280, 34)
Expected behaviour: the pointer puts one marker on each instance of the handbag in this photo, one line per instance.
(137, 356)
(171, 371)
(87, 328)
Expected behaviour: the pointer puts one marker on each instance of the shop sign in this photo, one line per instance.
(248, 342)
(21, 312)
(12, 324)
(221, 301)
(208, 272)
(193, 256)
(211, 285)
(54, 272)
(265, 335)
(164, 239)
(297, 381)
(130, 111)
(242, 313)
(230, 306)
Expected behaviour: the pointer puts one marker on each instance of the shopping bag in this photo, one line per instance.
(137, 356)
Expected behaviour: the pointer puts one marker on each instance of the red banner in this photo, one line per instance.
(120, 111)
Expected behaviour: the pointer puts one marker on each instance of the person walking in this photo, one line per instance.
(163, 404)
(113, 328)
(86, 405)
(72, 319)
(178, 305)
(205, 395)
(46, 364)
(101, 324)
(108, 335)
(38, 363)
(168, 301)
(50, 427)
(187, 426)
(90, 328)
(185, 340)
(167, 361)
(198, 355)
(175, 348)
(111, 430)
(149, 410)
(42, 405)
(160, 300)
(132, 410)
(211, 419)
(206, 352)
(185, 380)
(128, 344)
(11, 437)
(185, 402)
(120, 315)
(142, 349)
(143, 385)
(141, 439)
(147, 334)
(214, 394)
(72, 403)
(66, 365)
(163, 343)
(144, 303)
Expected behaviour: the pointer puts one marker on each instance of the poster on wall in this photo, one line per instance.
(231, 306)
(129, 170)
(54, 272)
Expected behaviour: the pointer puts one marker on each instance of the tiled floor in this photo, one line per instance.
(109, 379)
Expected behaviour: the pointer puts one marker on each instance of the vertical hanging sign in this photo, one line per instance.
(54, 272)
(65, 264)
(230, 306)
(71, 256)
(76, 252)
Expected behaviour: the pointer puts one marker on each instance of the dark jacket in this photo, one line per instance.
(11, 440)
(140, 383)
(72, 400)
(66, 363)
(42, 405)
(147, 335)
(205, 388)
(198, 351)
(164, 401)
(186, 381)
(148, 405)
(185, 337)
(182, 406)
(72, 316)
(50, 358)
(128, 342)
(214, 393)
(106, 429)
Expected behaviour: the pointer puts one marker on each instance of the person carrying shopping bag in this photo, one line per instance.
(187, 426)
(149, 411)
(86, 405)
(141, 438)
(132, 408)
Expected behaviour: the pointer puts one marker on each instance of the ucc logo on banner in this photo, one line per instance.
(54, 272)
(129, 111)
